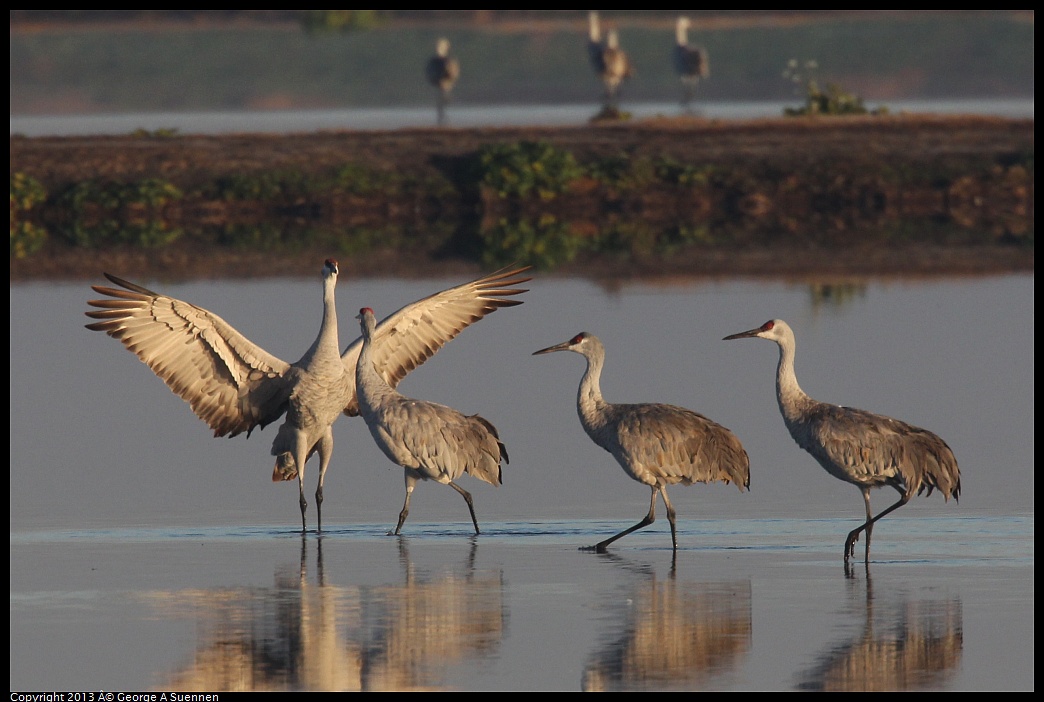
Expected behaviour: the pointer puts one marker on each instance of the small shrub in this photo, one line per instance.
(832, 100)
(26, 193)
(624, 172)
(527, 167)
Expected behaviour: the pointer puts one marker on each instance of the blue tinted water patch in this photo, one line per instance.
(987, 540)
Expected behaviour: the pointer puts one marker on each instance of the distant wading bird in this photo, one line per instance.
(609, 61)
(236, 386)
(442, 72)
(656, 444)
(691, 62)
(430, 441)
(865, 449)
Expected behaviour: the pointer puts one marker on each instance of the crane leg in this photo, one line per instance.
(649, 519)
(303, 501)
(410, 484)
(471, 505)
(300, 453)
(440, 109)
(670, 515)
(868, 527)
(325, 451)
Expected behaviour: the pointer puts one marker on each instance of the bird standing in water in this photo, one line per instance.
(865, 449)
(656, 444)
(442, 72)
(236, 386)
(430, 441)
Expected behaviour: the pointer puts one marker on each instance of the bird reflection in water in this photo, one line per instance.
(307, 634)
(416, 631)
(905, 644)
(673, 635)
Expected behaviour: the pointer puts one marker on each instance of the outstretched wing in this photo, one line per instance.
(412, 335)
(231, 383)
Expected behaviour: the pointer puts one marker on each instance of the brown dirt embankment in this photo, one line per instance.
(837, 177)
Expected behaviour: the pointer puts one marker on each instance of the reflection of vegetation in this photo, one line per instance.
(26, 238)
(620, 205)
(149, 234)
(831, 100)
(670, 171)
(357, 179)
(283, 236)
(544, 244)
(105, 213)
(836, 295)
(316, 21)
(26, 195)
(262, 185)
(527, 167)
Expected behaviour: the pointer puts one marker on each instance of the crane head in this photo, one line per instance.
(773, 330)
(574, 344)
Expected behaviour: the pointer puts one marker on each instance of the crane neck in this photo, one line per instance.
(681, 35)
(792, 399)
(370, 385)
(325, 346)
(594, 32)
(589, 402)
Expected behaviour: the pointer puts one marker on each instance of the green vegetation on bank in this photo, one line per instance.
(532, 202)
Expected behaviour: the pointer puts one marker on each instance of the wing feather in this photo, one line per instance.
(231, 383)
(415, 333)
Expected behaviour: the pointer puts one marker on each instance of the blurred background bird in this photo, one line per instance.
(691, 62)
(442, 72)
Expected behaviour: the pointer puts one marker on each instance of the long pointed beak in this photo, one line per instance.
(743, 335)
(564, 346)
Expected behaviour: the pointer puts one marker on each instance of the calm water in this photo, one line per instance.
(280, 121)
(147, 554)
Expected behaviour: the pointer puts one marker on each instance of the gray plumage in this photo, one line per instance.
(608, 60)
(236, 386)
(430, 441)
(656, 444)
(691, 62)
(442, 72)
(865, 449)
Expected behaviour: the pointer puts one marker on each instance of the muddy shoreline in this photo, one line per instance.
(802, 197)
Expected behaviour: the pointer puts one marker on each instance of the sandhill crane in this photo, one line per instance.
(609, 61)
(865, 449)
(430, 441)
(691, 62)
(656, 444)
(594, 42)
(236, 386)
(442, 72)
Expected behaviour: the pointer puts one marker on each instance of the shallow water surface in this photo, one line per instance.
(762, 604)
(146, 554)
